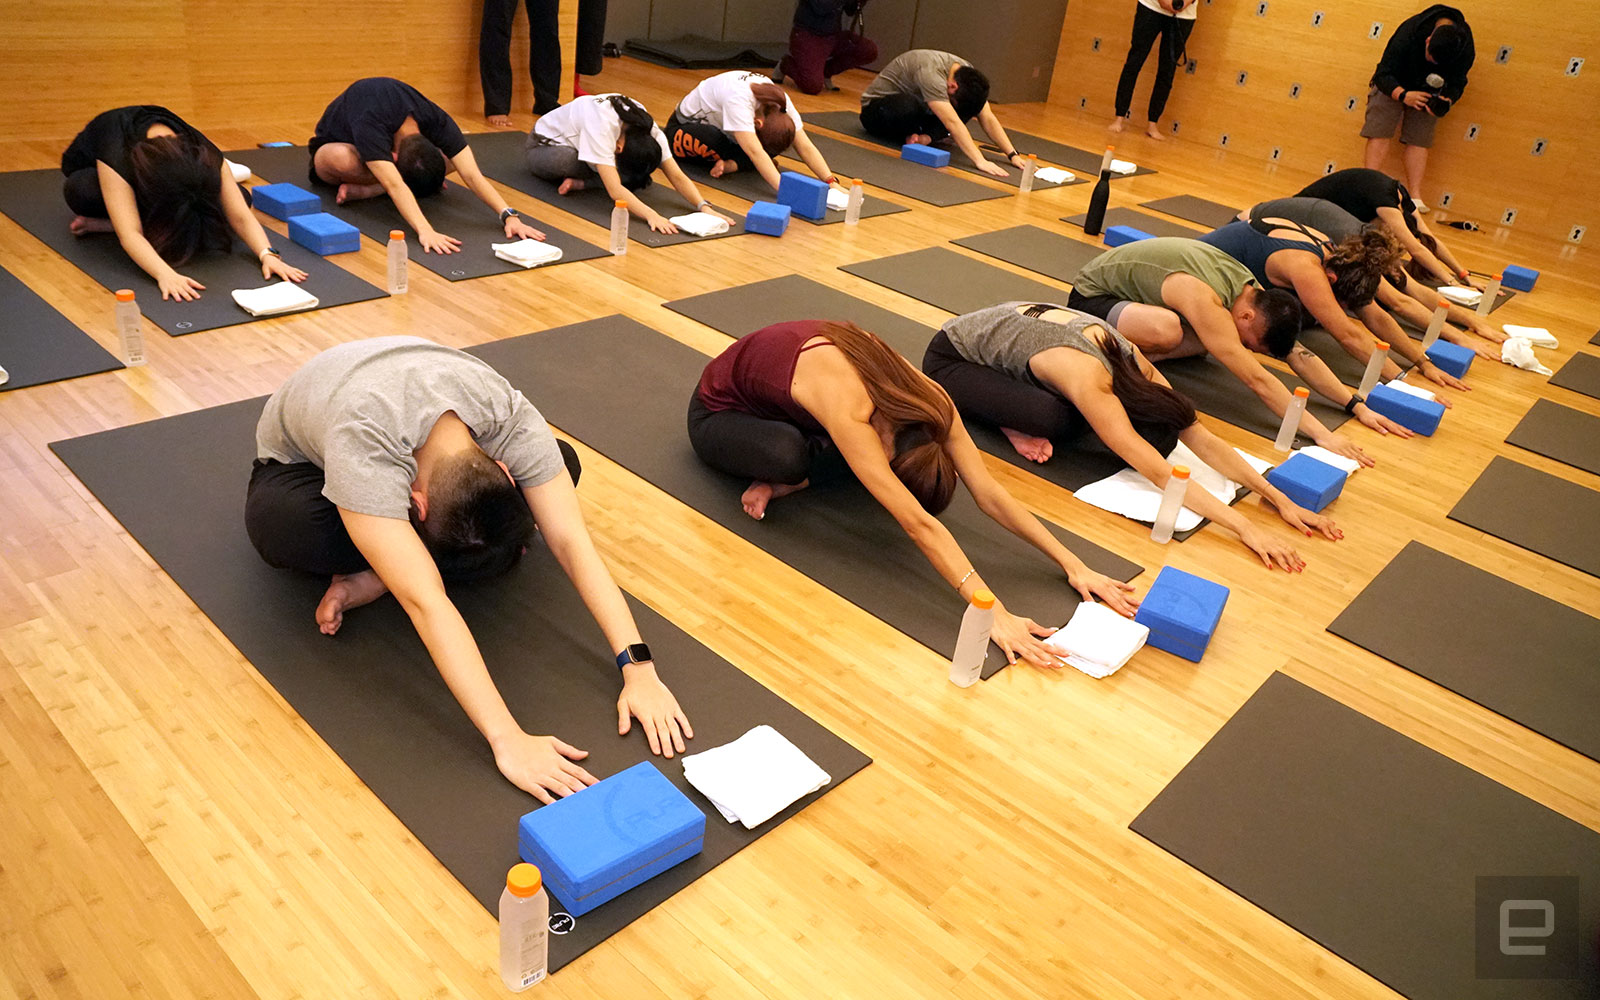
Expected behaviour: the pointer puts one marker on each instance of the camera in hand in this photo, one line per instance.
(1437, 104)
(1178, 4)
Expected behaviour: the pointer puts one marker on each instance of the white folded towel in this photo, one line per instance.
(1132, 495)
(527, 252)
(1519, 351)
(1123, 167)
(241, 173)
(1097, 640)
(1326, 457)
(1410, 390)
(1460, 295)
(838, 200)
(1054, 175)
(755, 777)
(5, 376)
(275, 299)
(1538, 336)
(700, 224)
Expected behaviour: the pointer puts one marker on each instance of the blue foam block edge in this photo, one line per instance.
(1421, 416)
(767, 218)
(324, 234)
(284, 201)
(1521, 278)
(1116, 236)
(1308, 482)
(806, 197)
(1182, 611)
(1452, 359)
(925, 155)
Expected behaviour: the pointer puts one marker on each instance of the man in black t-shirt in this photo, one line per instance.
(382, 136)
(1420, 77)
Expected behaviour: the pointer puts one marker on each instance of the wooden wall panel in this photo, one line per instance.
(1010, 40)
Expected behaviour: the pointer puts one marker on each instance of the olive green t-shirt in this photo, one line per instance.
(1134, 271)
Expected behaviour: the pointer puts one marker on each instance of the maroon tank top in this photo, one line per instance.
(755, 373)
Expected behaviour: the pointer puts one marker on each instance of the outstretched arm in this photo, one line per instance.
(688, 189)
(388, 176)
(946, 113)
(758, 156)
(247, 227)
(123, 208)
(1444, 254)
(1383, 325)
(992, 126)
(1395, 221)
(1316, 374)
(1310, 283)
(812, 157)
(618, 192)
(466, 167)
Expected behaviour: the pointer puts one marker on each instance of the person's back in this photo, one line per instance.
(369, 112)
(1002, 337)
(1136, 271)
(754, 374)
(1360, 191)
(1314, 213)
(920, 73)
(1252, 247)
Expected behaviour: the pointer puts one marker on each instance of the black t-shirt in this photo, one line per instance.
(1361, 192)
(371, 111)
(111, 134)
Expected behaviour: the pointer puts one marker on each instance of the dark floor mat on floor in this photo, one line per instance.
(747, 184)
(953, 281)
(1200, 211)
(1537, 511)
(1561, 433)
(39, 345)
(1039, 250)
(849, 123)
(698, 52)
(1121, 216)
(1580, 374)
(902, 177)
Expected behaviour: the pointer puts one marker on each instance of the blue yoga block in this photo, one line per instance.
(1182, 611)
(1452, 359)
(925, 155)
(284, 201)
(1308, 482)
(1116, 236)
(1419, 415)
(806, 197)
(1518, 277)
(599, 843)
(768, 218)
(324, 233)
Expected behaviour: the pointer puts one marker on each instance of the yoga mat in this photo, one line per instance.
(698, 52)
(1121, 216)
(1214, 390)
(499, 156)
(1082, 161)
(849, 123)
(1537, 511)
(455, 211)
(747, 184)
(1211, 214)
(1581, 374)
(1349, 370)
(954, 282)
(1371, 844)
(1561, 433)
(39, 345)
(32, 198)
(901, 176)
(373, 695)
(1039, 250)
(1511, 650)
(834, 533)
(1595, 339)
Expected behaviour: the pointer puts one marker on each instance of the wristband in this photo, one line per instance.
(1356, 399)
(1013, 153)
(508, 213)
(269, 252)
(831, 180)
(703, 204)
(963, 581)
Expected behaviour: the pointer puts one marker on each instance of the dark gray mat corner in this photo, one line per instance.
(834, 533)
(1123, 216)
(1595, 339)
(32, 198)
(455, 211)
(699, 52)
(747, 184)
(1084, 162)
(1561, 433)
(1540, 512)
(371, 692)
(1370, 844)
(39, 345)
(952, 281)
(849, 123)
(877, 168)
(1039, 250)
(1580, 374)
(1200, 211)
(1512, 650)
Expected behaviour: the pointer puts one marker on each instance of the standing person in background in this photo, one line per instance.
(544, 53)
(1170, 21)
(1420, 77)
(821, 46)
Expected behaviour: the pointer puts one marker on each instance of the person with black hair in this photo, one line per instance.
(382, 137)
(1170, 21)
(544, 53)
(1176, 298)
(925, 96)
(393, 465)
(165, 190)
(821, 46)
(1420, 77)
(612, 138)
(1044, 374)
(739, 121)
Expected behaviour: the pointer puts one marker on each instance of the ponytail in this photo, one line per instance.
(641, 154)
(1359, 263)
(1157, 412)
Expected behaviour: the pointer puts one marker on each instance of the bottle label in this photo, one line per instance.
(530, 978)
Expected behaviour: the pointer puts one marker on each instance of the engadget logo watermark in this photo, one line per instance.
(1527, 927)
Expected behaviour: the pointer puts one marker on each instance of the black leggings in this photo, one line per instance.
(898, 115)
(81, 189)
(697, 140)
(544, 50)
(754, 448)
(1148, 25)
(294, 526)
(993, 397)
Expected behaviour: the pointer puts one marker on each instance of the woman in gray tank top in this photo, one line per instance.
(1044, 374)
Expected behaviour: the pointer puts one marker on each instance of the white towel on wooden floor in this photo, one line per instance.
(1538, 336)
(755, 777)
(1132, 495)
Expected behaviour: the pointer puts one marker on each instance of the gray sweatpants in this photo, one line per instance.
(554, 161)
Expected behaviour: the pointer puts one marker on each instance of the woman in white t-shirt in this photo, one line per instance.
(740, 121)
(613, 138)
(1171, 21)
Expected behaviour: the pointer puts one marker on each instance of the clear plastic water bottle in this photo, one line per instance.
(1375, 363)
(398, 259)
(1291, 419)
(1171, 502)
(1436, 324)
(524, 928)
(619, 228)
(852, 207)
(130, 330)
(972, 644)
(1028, 167)
(1490, 293)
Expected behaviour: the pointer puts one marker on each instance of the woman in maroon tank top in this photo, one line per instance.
(779, 401)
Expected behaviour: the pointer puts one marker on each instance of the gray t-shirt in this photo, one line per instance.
(919, 72)
(1000, 337)
(1324, 216)
(359, 411)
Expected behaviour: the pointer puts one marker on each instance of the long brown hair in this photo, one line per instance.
(1359, 263)
(178, 186)
(920, 412)
(776, 131)
(1157, 412)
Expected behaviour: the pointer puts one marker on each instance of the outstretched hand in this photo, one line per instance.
(1018, 638)
(1114, 594)
(645, 698)
(542, 766)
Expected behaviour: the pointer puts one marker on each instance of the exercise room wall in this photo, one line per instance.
(1514, 105)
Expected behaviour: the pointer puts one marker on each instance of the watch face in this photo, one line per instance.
(638, 652)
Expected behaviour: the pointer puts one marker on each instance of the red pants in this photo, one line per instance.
(811, 58)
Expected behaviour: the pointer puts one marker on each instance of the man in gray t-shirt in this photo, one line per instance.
(925, 96)
(395, 463)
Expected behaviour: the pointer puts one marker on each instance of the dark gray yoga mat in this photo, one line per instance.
(902, 176)
(371, 692)
(500, 157)
(953, 281)
(1039, 250)
(1348, 369)
(834, 533)
(32, 198)
(747, 184)
(1595, 339)
(455, 211)
(1214, 391)
(1514, 651)
(1561, 433)
(698, 52)
(1084, 162)
(849, 123)
(1211, 214)
(1540, 512)
(1581, 374)
(38, 344)
(1121, 216)
(1371, 844)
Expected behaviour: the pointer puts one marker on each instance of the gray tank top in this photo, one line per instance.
(1000, 337)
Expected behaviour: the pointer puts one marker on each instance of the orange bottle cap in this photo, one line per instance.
(124, 295)
(1498, 277)
(1033, 156)
(1302, 392)
(1180, 472)
(982, 599)
(1444, 304)
(397, 234)
(856, 183)
(1382, 346)
(621, 203)
(524, 880)
(1111, 149)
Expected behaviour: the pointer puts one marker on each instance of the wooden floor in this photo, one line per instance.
(171, 828)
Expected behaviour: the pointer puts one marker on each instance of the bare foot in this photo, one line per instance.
(500, 121)
(82, 225)
(1034, 449)
(570, 184)
(358, 192)
(919, 139)
(346, 592)
(756, 498)
(1116, 124)
(725, 167)
(1154, 133)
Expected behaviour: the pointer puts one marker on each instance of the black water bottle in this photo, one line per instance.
(1095, 218)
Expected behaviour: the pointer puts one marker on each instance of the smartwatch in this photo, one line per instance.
(508, 213)
(270, 252)
(636, 652)
(1355, 400)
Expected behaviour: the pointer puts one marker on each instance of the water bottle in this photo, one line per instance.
(972, 645)
(397, 262)
(852, 207)
(1375, 363)
(1028, 167)
(524, 928)
(1291, 419)
(1095, 218)
(1436, 324)
(129, 328)
(1171, 503)
(1489, 295)
(619, 228)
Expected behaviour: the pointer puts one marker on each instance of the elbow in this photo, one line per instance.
(923, 528)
